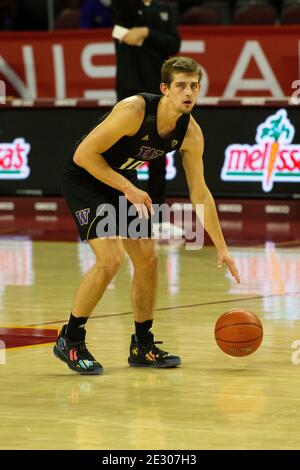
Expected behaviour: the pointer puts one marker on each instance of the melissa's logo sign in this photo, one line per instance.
(13, 159)
(271, 159)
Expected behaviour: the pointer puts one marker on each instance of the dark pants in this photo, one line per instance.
(98, 210)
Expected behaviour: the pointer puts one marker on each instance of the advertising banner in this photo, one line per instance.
(236, 61)
(250, 151)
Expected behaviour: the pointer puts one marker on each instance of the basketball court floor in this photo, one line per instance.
(213, 401)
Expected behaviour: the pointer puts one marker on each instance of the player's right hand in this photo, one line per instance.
(224, 257)
(141, 201)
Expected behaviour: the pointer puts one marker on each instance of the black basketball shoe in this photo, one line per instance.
(149, 355)
(76, 355)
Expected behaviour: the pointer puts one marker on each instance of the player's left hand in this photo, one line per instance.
(223, 257)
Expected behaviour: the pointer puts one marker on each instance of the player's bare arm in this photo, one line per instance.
(124, 120)
(192, 150)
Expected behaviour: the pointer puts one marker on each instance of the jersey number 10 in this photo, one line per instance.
(131, 164)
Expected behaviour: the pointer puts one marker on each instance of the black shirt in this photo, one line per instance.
(130, 152)
(139, 68)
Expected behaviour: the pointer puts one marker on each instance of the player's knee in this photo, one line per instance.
(105, 271)
(118, 259)
(107, 268)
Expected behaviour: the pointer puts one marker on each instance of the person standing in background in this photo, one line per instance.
(152, 38)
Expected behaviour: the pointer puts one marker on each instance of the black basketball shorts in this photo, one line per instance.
(101, 211)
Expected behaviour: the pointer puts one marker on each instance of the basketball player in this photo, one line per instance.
(103, 168)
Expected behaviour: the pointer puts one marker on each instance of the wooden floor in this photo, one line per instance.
(213, 401)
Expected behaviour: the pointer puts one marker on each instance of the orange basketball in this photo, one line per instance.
(238, 332)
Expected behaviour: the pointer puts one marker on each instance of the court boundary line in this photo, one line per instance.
(162, 309)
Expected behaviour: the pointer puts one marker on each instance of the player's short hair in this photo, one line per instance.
(179, 65)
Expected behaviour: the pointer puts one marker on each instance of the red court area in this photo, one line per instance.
(13, 337)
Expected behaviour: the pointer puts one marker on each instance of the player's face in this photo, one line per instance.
(183, 91)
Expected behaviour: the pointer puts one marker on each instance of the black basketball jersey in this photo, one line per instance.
(131, 152)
